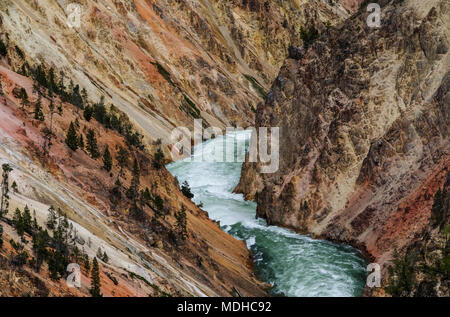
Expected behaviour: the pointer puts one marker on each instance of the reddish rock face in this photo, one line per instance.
(162, 63)
(151, 57)
(364, 120)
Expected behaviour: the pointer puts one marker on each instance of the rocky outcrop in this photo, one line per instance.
(165, 63)
(147, 256)
(424, 268)
(162, 64)
(364, 123)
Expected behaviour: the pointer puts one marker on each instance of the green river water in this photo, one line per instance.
(294, 264)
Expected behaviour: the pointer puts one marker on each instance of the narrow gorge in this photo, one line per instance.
(95, 202)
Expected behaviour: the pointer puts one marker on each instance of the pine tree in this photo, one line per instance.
(107, 159)
(18, 222)
(49, 134)
(84, 96)
(3, 49)
(41, 241)
(38, 114)
(99, 253)
(122, 159)
(4, 203)
(133, 191)
(23, 98)
(186, 190)
(1, 236)
(51, 218)
(158, 159)
(92, 146)
(95, 280)
(53, 86)
(14, 187)
(76, 98)
(27, 220)
(182, 222)
(71, 138)
(86, 263)
(61, 87)
(81, 142)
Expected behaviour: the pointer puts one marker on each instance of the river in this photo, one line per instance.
(294, 264)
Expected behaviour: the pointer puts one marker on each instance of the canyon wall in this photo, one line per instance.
(160, 65)
(165, 63)
(364, 130)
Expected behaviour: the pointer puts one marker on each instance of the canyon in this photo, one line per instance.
(153, 65)
(364, 133)
(364, 142)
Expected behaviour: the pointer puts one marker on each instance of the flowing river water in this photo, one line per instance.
(294, 264)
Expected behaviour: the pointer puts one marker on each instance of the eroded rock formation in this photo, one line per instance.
(364, 118)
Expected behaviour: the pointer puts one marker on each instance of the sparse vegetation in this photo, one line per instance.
(95, 280)
(309, 36)
(107, 159)
(72, 140)
(3, 49)
(181, 222)
(186, 190)
(259, 89)
(92, 146)
(4, 203)
(158, 161)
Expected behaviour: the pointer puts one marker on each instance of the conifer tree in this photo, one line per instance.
(53, 86)
(92, 146)
(4, 203)
(72, 138)
(14, 187)
(51, 218)
(181, 222)
(49, 133)
(1, 236)
(95, 280)
(107, 159)
(3, 49)
(23, 98)
(84, 96)
(62, 87)
(27, 220)
(40, 240)
(81, 142)
(158, 159)
(122, 159)
(18, 222)
(133, 191)
(38, 114)
(186, 190)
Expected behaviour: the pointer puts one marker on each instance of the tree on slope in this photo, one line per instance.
(72, 138)
(4, 204)
(95, 280)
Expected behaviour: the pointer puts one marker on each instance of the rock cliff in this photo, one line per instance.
(364, 130)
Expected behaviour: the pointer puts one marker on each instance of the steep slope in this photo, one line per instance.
(148, 254)
(364, 120)
(424, 268)
(165, 63)
(158, 65)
